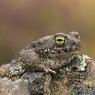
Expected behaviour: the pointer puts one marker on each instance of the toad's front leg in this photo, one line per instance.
(44, 68)
(15, 70)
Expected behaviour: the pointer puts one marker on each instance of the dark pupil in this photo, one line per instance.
(59, 40)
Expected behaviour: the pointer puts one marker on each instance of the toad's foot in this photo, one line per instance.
(49, 71)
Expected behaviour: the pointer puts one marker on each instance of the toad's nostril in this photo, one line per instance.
(59, 51)
(65, 50)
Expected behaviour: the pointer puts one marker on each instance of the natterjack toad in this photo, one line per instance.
(47, 54)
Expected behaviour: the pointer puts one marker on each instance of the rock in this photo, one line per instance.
(29, 84)
(69, 80)
(38, 83)
(18, 87)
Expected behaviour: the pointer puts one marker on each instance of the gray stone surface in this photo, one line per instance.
(18, 87)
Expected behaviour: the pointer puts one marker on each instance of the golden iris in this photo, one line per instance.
(59, 40)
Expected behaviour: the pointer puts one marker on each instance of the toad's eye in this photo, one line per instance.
(59, 40)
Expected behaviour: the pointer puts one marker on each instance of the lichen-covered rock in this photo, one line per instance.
(17, 87)
(31, 83)
(71, 79)
(38, 83)
(75, 79)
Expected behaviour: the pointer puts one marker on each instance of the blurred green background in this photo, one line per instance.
(22, 21)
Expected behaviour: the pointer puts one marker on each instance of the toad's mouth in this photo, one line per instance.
(64, 51)
(65, 55)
